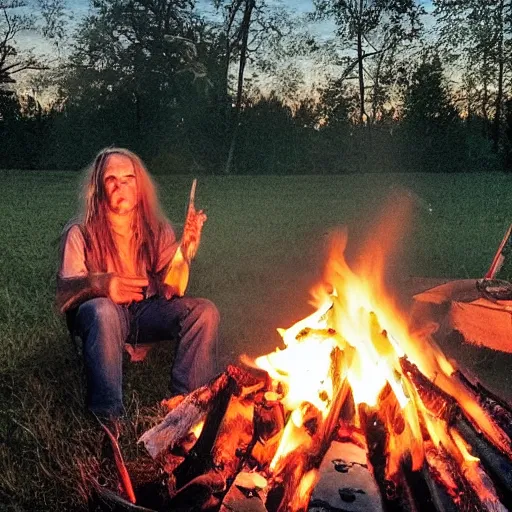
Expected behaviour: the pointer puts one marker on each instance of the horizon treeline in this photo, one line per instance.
(257, 89)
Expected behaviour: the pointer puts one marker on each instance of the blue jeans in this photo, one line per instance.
(105, 327)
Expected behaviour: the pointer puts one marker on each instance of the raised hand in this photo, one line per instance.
(192, 232)
(123, 290)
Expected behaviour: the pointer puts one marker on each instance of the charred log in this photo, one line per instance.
(269, 422)
(233, 442)
(439, 404)
(496, 464)
(445, 407)
(200, 457)
(497, 408)
(447, 472)
(376, 436)
(285, 484)
(199, 493)
(190, 410)
(427, 494)
(269, 418)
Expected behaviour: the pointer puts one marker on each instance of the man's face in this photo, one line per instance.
(120, 184)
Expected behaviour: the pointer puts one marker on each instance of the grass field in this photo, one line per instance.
(262, 249)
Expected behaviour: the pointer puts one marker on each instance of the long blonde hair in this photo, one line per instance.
(148, 220)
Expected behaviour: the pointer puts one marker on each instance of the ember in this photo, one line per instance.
(354, 413)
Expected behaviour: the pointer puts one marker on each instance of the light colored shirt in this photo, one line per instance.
(77, 281)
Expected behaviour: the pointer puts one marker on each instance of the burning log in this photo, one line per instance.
(447, 472)
(192, 409)
(234, 438)
(396, 454)
(443, 406)
(219, 441)
(496, 464)
(345, 481)
(447, 462)
(268, 415)
(199, 475)
(426, 492)
(341, 392)
(177, 423)
(199, 458)
(198, 494)
(287, 492)
(396, 494)
(437, 402)
(497, 408)
(269, 423)
(377, 438)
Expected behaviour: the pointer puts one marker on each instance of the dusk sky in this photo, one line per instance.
(301, 6)
(78, 8)
(81, 6)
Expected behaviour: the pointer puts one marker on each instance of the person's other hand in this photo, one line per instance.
(123, 290)
(192, 232)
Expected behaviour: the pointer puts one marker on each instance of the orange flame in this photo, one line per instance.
(357, 315)
(301, 498)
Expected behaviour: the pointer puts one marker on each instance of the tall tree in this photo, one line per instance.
(430, 119)
(236, 47)
(368, 30)
(427, 99)
(477, 36)
(16, 17)
(143, 64)
(251, 29)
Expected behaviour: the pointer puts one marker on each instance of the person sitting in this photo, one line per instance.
(114, 286)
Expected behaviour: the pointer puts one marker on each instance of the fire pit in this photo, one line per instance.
(355, 413)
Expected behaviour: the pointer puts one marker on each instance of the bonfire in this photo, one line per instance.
(356, 411)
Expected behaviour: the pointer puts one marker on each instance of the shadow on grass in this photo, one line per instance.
(50, 446)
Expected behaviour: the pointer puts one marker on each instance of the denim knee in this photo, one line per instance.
(102, 315)
(97, 310)
(206, 312)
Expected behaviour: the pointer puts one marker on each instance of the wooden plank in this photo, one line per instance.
(244, 498)
(345, 481)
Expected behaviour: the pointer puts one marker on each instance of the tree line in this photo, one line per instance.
(254, 88)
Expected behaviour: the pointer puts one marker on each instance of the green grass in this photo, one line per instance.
(262, 249)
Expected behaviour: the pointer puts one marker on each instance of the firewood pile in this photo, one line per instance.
(344, 461)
